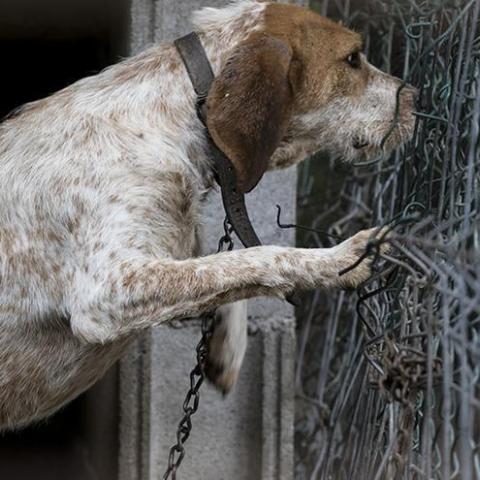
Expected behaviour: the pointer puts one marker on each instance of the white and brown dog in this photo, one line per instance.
(101, 183)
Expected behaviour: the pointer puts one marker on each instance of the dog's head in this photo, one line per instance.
(299, 83)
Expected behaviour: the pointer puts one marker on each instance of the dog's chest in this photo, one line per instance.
(162, 211)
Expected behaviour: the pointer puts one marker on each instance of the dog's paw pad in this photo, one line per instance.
(358, 253)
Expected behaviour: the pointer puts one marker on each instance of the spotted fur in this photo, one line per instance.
(100, 188)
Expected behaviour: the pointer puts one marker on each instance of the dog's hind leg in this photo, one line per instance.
(227, 345)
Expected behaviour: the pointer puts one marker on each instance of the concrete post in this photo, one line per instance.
(248, 434)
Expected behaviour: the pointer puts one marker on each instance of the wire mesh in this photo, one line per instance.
(387, 379)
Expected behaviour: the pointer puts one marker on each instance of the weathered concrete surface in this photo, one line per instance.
(249, 434)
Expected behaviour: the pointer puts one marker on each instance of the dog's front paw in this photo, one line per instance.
(227, 345)
(357, 253)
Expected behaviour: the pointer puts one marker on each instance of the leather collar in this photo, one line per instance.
(202, 77)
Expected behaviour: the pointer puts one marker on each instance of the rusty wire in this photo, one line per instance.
(387, 380)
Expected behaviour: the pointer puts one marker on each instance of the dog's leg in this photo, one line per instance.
(115, 299)
(228, 345)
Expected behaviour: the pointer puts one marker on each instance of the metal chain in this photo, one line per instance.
(197, 376)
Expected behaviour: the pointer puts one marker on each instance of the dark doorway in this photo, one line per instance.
(34, 68)
(78, 443)
(45, 46)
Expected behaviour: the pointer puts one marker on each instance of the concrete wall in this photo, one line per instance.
(248, 434)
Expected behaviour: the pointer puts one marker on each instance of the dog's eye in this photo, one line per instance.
(354, 60)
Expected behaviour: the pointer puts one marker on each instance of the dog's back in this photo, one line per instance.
(101, 183)
(66, 161)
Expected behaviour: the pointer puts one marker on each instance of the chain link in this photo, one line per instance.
(197, 376)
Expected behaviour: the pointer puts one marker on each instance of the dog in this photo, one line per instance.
(101, 185)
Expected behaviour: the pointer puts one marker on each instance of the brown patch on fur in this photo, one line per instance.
(297, 64)
(54, 237)
(171, 65)
(128, 280)
(320, 47)
(249, 106)
(73, 224)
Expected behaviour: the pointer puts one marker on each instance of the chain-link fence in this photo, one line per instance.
(387, 379)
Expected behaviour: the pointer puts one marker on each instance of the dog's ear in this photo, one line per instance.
(249, 106)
